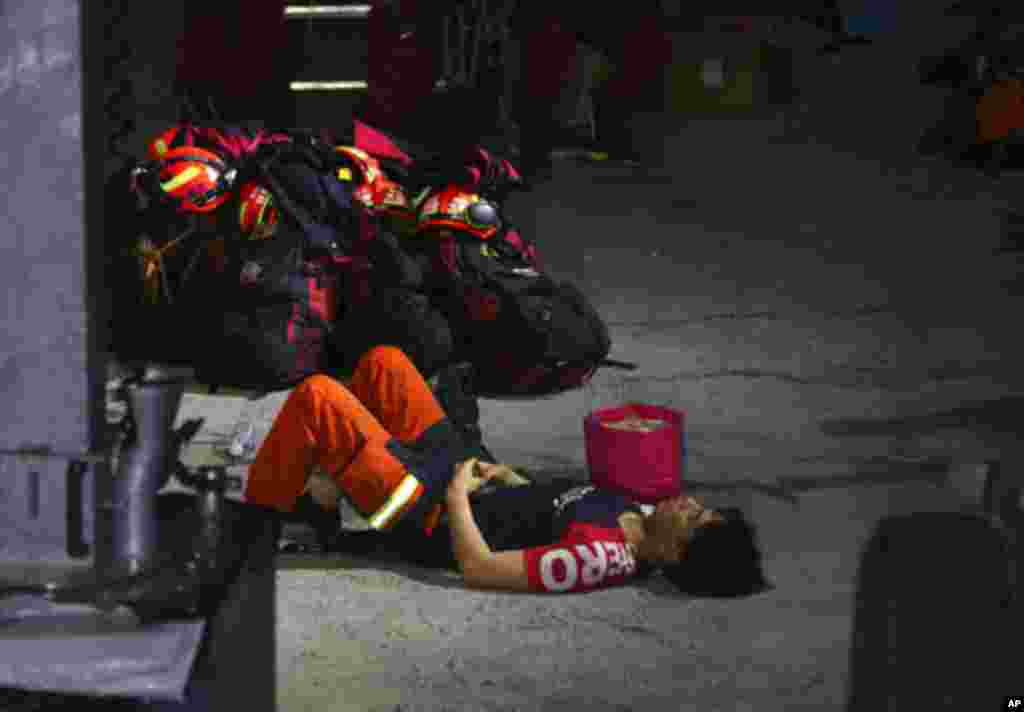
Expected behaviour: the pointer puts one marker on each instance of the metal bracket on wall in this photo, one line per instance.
(78, 466)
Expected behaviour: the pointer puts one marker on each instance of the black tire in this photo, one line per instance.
(908, 589)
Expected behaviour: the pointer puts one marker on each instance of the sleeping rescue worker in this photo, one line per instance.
(567, 536)
(387, 447)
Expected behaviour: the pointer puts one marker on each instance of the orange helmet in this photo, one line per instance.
(197, 179)
(257, 214)
(456, 208)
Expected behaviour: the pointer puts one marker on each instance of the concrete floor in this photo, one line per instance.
(839, 331)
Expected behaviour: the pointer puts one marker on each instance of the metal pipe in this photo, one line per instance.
(144, 462)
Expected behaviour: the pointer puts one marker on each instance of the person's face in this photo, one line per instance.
(672, 525)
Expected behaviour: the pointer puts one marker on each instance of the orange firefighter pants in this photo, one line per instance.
(345, 431)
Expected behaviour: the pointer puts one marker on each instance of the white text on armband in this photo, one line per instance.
(606, 558)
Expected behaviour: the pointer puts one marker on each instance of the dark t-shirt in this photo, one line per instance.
(569, 532)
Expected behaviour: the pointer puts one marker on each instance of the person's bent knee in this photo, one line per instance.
(318, 384)
(386, 356)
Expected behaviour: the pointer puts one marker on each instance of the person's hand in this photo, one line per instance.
(470, 475)
(503, 474)
(324, 491)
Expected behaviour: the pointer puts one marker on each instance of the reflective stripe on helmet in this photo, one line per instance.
(181, 179)
(263, 209)
(254, 212)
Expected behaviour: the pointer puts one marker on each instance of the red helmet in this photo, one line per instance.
(197, 179)
(374, 189)
(456, 208)
(257, 214)
(362, 169)
(392, 203)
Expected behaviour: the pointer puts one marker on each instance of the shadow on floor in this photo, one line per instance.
(1000, 417)
(378, 561)
(932, 628)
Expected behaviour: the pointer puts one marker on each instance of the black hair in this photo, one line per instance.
(722, 560)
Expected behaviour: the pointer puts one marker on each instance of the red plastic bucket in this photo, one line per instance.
(645, 466)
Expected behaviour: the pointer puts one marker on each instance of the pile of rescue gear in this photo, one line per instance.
(261, 257)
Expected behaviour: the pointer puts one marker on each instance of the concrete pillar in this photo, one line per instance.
(51, 376)
(53, 312)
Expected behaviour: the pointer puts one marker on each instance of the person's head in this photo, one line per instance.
(704, 552)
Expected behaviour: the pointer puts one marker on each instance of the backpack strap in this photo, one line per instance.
(318, 234)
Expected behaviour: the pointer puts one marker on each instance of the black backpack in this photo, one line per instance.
(244, 314)
(526, 334)
(544, 338)
(332, 283)
(270, 314)
(263, 315)
(273, 307)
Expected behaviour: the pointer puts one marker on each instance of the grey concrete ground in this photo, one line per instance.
(839, 322)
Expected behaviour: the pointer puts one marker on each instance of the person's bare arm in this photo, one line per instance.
(481, 567)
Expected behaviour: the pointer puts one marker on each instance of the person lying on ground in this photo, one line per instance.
(387, 447)
(568, 536)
